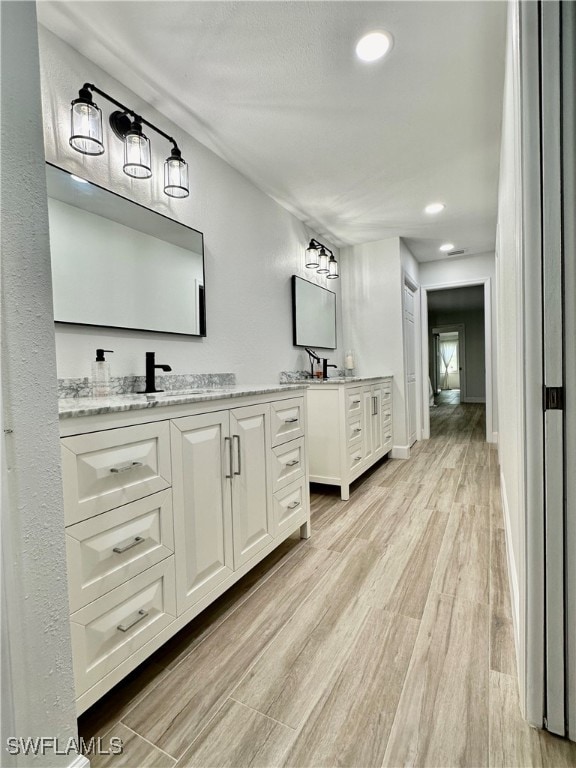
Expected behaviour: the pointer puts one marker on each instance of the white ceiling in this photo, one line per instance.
(355, 150)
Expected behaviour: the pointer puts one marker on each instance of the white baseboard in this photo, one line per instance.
(473, 400)
(400, 452)
(512, 572)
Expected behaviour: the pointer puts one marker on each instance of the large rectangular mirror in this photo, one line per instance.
(118, 264)
(313, 314)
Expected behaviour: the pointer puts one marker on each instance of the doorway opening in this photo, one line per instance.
(456, 332)
(447, 364)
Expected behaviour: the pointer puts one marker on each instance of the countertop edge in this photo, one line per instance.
(70, 408)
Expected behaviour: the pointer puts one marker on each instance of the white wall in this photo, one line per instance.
(37, 682)
(520, 382)
(252, 245)
(460, 270)
(372, 285)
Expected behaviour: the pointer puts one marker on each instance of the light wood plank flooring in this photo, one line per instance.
(384, 640)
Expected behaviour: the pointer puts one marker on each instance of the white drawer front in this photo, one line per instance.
(354, 429)
(354, 401)
(111, 548)
(287, 420)
(355, 457)
(291, 505)
(288, 463)
(109, 630)
(104, 470)
(386, 395)
(386, 415)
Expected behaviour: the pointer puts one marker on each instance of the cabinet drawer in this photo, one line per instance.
(387, 435)
(104, 470)
(290, 505)
(287, 420)
(354, 401)
(386, 416)
(111, 548)
(386, 394)
(355, 457)
(288, 463)
(354, 429)
(109, 630)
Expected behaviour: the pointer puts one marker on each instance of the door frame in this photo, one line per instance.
(460, 329)
(486, 282)
(409, 281)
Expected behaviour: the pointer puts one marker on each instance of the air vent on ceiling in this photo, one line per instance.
(456, 253)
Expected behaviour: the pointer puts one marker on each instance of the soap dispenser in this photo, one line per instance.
(101, 374)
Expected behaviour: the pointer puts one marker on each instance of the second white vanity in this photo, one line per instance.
(169, 501)
(349, 428)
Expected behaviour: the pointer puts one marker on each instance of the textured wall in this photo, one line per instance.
(35, 631)
(252, 245)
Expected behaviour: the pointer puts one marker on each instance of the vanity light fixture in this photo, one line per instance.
(86, 137)
(321, 258)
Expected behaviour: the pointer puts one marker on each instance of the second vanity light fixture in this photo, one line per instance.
(317, 258)
(86, 137)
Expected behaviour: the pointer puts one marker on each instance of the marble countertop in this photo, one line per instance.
(93, 406)
(341, 379)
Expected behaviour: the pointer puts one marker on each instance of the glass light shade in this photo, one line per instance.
(176, 177)
(312, 253)
(86, 127)
(332, 269)
(323, 263)
(137, 154)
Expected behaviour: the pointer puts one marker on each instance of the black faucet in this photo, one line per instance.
(325, 367)
(151, 366)
(313, 359)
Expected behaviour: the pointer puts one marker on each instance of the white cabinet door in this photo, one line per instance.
(201, 495)
(368, 418)
(251, 485)
(377, 437)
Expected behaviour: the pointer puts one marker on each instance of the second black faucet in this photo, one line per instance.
(151, 366)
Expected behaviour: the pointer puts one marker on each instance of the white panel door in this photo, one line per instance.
(202, 504)
(569, 234)
(368, 410)
(251, 482)
(377, 433)
(410, 362)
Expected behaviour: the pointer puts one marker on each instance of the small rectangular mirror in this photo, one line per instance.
(313, 315)
(118, 264)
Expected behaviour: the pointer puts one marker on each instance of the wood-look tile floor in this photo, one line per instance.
(384, 640)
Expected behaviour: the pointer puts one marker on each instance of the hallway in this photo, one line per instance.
(384, 640)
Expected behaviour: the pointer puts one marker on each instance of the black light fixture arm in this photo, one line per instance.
(318, 244)
(128, 111)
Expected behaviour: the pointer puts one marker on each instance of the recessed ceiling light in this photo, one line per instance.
(77, 178)
(434, 208)
(374, 46)
(447, 247)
